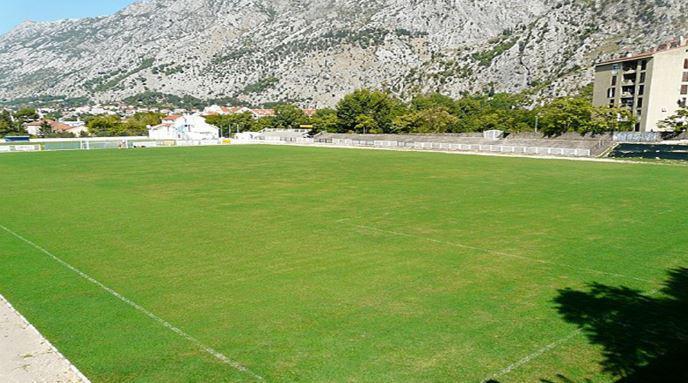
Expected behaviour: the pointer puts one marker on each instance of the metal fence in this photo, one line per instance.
(434, 146)
(98, 143)
(440, 146)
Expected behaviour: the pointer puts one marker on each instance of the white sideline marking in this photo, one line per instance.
(508, 369)
(496, 252)
(217, 355)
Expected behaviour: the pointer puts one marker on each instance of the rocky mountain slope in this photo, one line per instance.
(312, 52)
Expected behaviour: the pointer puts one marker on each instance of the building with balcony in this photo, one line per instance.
(652, 85)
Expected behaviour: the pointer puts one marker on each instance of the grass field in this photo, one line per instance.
(327, 265)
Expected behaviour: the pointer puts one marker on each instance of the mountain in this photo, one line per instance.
(313, 52)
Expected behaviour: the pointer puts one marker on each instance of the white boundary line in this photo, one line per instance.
(496, 252)
(217, 355)
(514, 366)
(527, 359)
(31, 327)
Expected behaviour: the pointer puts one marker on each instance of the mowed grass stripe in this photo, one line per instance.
(242, 246)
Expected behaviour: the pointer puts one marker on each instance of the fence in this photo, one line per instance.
(99, 143)
(440, 146)
(436, 146)
(637, 136)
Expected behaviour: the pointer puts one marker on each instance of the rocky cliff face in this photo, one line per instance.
(314, 51)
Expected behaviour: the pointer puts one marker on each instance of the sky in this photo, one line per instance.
(14, 12)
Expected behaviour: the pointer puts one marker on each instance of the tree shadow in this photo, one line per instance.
(644, 336)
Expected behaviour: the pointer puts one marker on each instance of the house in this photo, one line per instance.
(74, 127)
(186, 127)
(651, 85)
(261, 113)
(34, 128)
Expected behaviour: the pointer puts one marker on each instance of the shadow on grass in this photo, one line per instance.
(644, 337)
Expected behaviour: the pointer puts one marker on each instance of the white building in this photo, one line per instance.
(187, 128)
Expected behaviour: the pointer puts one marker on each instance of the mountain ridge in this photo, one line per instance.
(314, 52)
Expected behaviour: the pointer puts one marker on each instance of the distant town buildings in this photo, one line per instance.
(186, 127)
(227, 110)
(38, 128)
(652, 85)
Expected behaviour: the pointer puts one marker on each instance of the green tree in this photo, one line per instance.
(606, 119)
(369, 110)
(566, 114)
(45, 130)
(8, 126)
(367, 124)
(24, 115)
(434, 101)
(240, 122)
(288, 116)
(103, 126)
(677, 122)
(434, 120)
(325, 120)
(264, 123)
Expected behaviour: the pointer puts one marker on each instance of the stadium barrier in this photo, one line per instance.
(97, 143)
(432, 146)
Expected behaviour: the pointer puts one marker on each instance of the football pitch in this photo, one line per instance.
(291, 264)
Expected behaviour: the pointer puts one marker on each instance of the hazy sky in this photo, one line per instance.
(13, 12)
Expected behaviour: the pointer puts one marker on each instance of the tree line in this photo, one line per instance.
(374, 111)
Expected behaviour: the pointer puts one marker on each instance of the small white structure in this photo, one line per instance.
(187, 128)
(248, 136)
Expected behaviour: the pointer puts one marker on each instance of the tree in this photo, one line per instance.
(240, 122)
(288, 116)
(369, 110)
(8, 125)
(434, 120)
(606, 119)
(264, 123)
(565, 114)
(678, 122)
(325, 120)
(434, 101)
(103, 126)
(45, 129)
(24, 115)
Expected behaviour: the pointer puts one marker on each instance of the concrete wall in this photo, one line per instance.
(665, 76)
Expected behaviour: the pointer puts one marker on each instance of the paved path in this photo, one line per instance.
(26, 356)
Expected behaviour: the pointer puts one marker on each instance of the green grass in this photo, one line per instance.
(327, 265)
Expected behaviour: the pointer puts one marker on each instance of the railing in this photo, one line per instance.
(99, 143)
(438, 146)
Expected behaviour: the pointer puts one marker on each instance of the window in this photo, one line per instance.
(613, 80)
(685, 64)
(685, 77)
(643, 65)
(642, 77)
(684, 89)
(611, 92)
(641, 90)
(640, 103)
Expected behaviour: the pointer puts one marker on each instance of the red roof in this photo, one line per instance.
(59, 127)
(661, 48)
(263, 112)
(171, 117)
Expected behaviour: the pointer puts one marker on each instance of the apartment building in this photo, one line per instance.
(652, 85)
